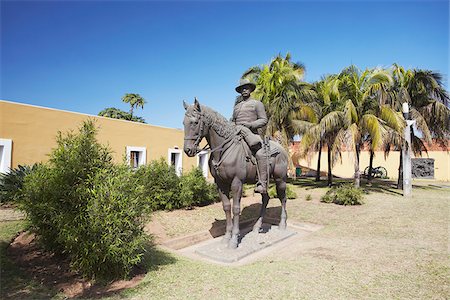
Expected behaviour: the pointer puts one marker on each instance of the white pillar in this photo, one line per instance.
(406, 160)
(407, 171)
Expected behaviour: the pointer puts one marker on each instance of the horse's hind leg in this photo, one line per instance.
(224, 194)
(258, 224)
(281, 193)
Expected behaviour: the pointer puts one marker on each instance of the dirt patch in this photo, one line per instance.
(53, 271)
(10, 213)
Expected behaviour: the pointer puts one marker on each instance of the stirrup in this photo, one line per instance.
(260, 189)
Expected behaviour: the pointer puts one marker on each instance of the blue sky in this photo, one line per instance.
(84, 56)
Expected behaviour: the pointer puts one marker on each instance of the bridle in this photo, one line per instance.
(199, 136)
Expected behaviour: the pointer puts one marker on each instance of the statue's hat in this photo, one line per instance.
(245, 82)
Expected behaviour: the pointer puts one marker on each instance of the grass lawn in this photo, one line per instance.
(388, 248)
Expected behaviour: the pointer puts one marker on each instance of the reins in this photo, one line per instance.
(207, 147)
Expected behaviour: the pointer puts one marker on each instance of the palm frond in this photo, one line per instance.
(350, 113)
(421, 124)
(331, 122)
(418, 145)
(392, 118)
(374, 127)
(300, 127)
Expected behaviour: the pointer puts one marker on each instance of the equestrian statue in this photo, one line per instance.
(238, 155)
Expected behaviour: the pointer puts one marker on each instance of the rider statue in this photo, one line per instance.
(250, 116)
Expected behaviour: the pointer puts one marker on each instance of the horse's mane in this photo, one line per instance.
(217, 122)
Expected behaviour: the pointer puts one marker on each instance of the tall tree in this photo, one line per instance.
(366, 93)
(423, 90)
(280, 88)
(135, 101)
(320, 121)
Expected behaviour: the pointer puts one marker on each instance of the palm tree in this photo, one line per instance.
(320, 121)
(280, 88)
(135, 101)
(364, 111)
(423, 90)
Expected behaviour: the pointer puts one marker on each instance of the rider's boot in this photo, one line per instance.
(261, 186)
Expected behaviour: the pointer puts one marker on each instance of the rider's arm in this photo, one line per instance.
(261, 116)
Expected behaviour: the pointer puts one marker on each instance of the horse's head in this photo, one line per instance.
(194, 128)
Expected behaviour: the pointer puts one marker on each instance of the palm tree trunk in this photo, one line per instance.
(318, 162)
(369, 176)
(400, 171)
(330, 175)
(357, 172)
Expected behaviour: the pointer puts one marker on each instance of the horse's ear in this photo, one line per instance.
(196, 104)
(185, 105)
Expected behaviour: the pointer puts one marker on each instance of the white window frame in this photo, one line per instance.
(179, 163)
(205, 167)
(6, 154)
(142, 157)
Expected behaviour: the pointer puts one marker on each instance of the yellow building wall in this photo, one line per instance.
(33, 133)
(346, 169)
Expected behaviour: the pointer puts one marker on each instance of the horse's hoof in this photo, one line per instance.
(282, 226)
(232, 243)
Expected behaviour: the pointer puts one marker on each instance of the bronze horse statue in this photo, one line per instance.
(231, 165)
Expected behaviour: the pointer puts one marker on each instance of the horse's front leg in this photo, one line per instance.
(224, 194)
(236, 188)
(258, 224)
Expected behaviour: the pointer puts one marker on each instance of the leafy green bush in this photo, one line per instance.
(163, 189)
(327, 198)
(308, 197)
(12, 182)
(346, 194)
(161, 185)
(290, 193)
(116, 214)
(80, 204)
(195, 190)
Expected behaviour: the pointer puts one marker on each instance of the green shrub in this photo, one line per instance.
(161, 185)
(327, 198)
(11, 183)
(116, 214)
(195, 190)
(290, 193)
(163, 189)
(346, 194)
(308, 197)
(82, 205)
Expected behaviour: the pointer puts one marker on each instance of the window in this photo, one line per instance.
(202, 162)
(5, 155)
(136, 156)
(174, 158)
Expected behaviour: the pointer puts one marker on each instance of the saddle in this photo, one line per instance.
(251, 142)
(248, 141)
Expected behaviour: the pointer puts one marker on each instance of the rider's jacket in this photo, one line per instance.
(251, 111)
